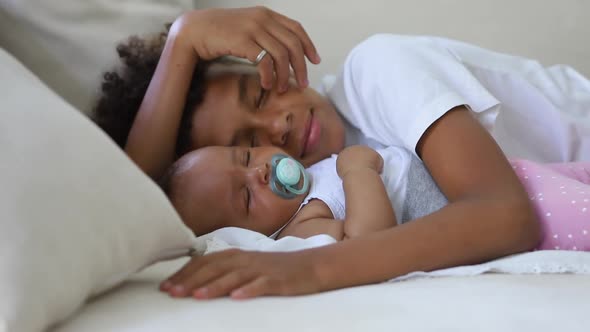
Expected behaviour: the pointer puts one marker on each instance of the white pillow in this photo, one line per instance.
(69, 43)
(76, 215)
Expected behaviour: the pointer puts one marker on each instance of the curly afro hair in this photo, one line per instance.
(124, 87)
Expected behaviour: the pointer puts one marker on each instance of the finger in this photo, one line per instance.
(188, 269)
(280, 58)
(265, 66)
(192, 266)
(257, 287)
(199, 278)
(295, 49)
(209, 268)
(224, 285)
(308, 47)
(266, 71)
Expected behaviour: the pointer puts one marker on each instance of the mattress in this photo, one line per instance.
(489, 302)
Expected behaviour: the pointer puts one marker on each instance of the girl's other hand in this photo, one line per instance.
(244, 33)
(243, 274)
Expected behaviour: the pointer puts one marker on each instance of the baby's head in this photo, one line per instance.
(217, 187)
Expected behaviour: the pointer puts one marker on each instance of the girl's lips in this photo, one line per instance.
(312, 135)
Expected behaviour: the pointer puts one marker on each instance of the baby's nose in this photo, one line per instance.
(264, 171)
(261, 173)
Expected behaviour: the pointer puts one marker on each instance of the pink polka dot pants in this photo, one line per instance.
(560, 194)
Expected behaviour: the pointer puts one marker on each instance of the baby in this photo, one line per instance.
(356, 192)
(217, 187)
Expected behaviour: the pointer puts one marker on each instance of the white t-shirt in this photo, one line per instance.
(392, 88)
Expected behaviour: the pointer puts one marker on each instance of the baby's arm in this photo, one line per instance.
(368, 208)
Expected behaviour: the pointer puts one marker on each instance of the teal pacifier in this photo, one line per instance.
(288, 177)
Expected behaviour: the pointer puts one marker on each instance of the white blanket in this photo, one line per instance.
(536, 262)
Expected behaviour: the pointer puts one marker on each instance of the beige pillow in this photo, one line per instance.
(77, 217)
(69, 43)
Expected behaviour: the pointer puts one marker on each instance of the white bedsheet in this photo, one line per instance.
(489, 302)
(459, 299)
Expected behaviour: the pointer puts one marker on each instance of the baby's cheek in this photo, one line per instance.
(200, 223)
(278, 211)
(289, 208)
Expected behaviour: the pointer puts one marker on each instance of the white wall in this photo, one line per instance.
(551, 31)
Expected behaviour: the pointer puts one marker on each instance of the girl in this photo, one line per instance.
(437, 98)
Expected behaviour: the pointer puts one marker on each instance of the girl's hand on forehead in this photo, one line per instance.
(245, 32)
(243, 274)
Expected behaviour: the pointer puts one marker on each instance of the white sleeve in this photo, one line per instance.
(393, 88)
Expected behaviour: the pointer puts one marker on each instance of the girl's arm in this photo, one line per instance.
(152, 139)
(488, 216)
(205, 35)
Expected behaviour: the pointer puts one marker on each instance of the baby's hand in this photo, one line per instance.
(358, 157)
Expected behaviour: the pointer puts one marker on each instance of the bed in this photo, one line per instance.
(99, 289)
(491, 302)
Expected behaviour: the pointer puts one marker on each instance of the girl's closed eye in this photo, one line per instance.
(258, 103)
(253, 141)
(261, 97)
(247, 157)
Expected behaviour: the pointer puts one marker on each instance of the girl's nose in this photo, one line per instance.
(275, 128)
